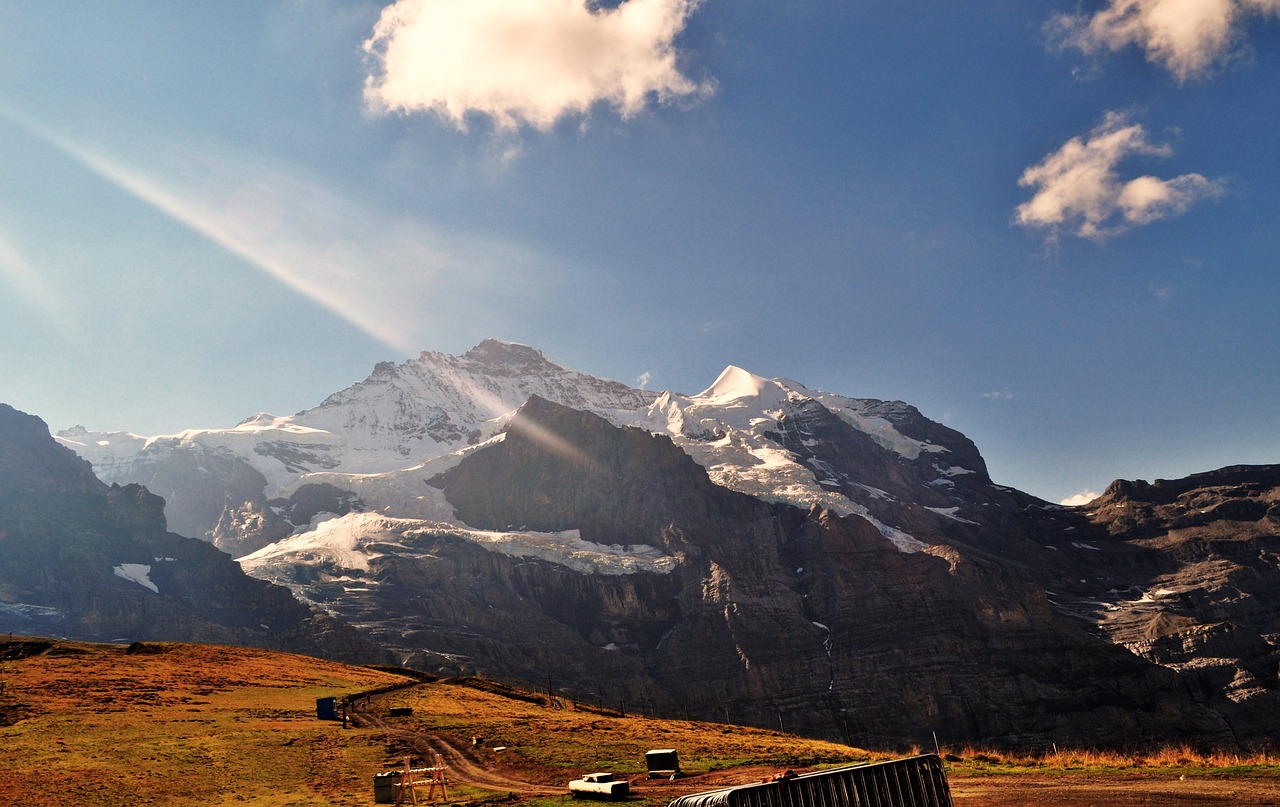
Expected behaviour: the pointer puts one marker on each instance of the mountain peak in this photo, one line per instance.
(735, 384)
(30, 459)
(496, 351)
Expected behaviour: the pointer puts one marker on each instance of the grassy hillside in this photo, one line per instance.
(178, 723)
(192, 724)
(187, 724)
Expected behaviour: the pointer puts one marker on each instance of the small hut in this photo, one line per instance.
(662, 763)
(327, 708)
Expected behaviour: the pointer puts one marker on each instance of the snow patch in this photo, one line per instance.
(950, 512)
(567, 548)
(354, 540)
(27, 611)
(347, 542)
(139, 573)
(877, 492)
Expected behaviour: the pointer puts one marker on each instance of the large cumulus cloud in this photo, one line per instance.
(526, 61)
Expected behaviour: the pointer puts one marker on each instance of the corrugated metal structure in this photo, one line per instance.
(912, 782)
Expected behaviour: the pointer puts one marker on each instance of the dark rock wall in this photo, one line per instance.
(1199, 591)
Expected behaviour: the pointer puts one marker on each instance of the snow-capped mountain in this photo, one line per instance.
(400, 416)
(377, 440)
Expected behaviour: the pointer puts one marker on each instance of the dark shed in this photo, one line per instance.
(327, 708)
(911, 782)
(662, 762)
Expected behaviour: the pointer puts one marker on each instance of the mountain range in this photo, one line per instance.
(759, 553)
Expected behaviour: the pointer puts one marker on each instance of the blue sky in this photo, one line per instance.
(1054, 226)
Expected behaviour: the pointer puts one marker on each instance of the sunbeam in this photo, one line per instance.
(21, 276)
(320, 246)
(551, 441)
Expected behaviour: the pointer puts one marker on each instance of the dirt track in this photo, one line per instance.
(464, 769)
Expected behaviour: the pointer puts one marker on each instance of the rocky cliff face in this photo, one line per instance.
(84, 560)
(1186, 574)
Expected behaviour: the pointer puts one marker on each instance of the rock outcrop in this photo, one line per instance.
(1186, 573)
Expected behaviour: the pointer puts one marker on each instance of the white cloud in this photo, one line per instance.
(1083, 497)
(1186, 37)
(998, 395)
(642, 380)
(1078, 187)
(526, 61)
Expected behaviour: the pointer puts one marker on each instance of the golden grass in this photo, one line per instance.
(181, 724)
(1176, 758)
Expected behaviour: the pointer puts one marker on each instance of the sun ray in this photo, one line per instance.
(293, 231)
(23, 277)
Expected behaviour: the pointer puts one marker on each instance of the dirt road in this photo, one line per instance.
(464, 769)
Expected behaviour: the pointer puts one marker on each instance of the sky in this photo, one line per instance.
(1053, 225)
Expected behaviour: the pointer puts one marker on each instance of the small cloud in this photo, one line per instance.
(509, 153)
(642, 380)
(1081, 498)
(996, 395)
(1162, 293)
(1186, 37)
(527, 61)
(714, 325)
(1078, 187)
